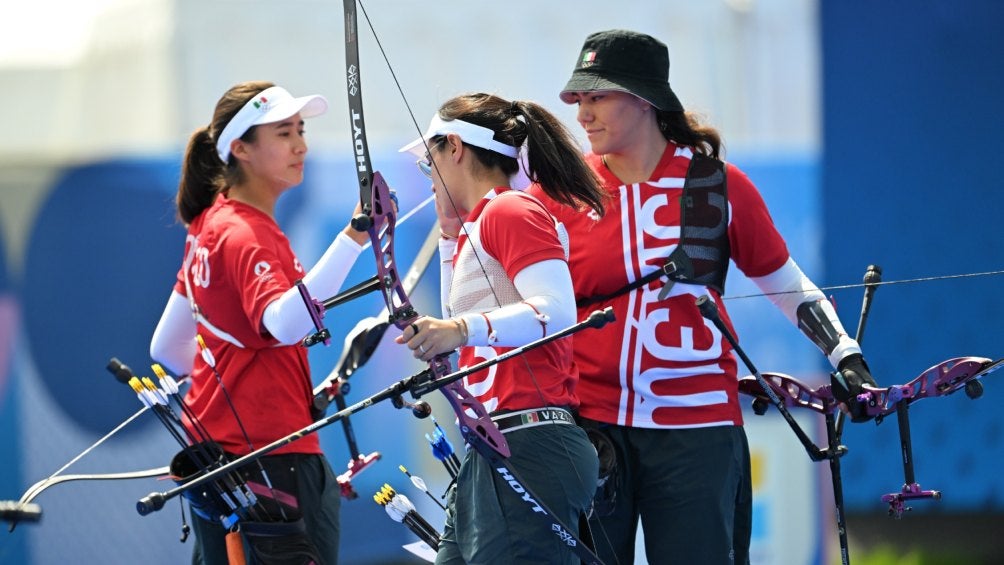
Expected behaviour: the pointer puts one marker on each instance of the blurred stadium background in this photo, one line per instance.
(869, 126)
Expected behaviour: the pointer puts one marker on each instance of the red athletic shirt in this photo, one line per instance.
(510, 232)
(242, 262)
(660, 364)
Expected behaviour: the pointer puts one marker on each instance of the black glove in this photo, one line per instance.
(852, 372)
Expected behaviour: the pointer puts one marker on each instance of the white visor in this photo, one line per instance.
(470, 133)
(271, 105)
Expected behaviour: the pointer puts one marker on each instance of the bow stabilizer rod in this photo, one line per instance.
(156, 500)
(710, 311)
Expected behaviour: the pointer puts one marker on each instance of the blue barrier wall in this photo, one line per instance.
(912, 122)
(10, 448)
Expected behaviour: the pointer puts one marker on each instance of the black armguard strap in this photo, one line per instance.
(816, 325)
(702, 255)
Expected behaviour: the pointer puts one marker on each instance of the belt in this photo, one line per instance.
(511, 421)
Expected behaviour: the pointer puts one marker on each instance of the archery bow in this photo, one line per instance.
(378, 219)
(942, 379)
(784, 391)
(35, 490)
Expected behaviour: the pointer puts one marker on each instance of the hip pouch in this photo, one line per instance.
(605, 497)
(258, 501)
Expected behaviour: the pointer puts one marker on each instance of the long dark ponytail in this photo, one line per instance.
(554, 160)
(203, 174)
(685, 128)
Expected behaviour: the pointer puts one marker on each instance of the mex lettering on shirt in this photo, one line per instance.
(659, 334)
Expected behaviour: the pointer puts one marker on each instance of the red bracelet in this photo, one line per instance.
(491, 333)
(540, 318)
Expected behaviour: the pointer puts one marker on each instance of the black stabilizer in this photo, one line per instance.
(121, 371)
(150, 503)
(15, 512)
(710, 311)
(873, 276)
(362, 222)
(599, 318)
(708, 308)
(420, 409)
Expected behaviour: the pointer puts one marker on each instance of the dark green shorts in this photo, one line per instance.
(488, 522)
(691, 489)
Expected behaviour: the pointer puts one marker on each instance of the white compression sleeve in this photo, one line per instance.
(788, 288)
(287, 318)
(173, 344)
(547, 287)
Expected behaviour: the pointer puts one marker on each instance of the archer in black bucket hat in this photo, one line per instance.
(627, 61)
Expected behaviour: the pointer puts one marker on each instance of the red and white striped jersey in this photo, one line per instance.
(660, 364)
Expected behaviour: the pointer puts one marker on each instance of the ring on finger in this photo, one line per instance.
(414, 328)
(421, 349)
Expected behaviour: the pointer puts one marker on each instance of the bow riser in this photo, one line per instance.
(399, 308)
(940, 380)
(791, 391)
(401, 313)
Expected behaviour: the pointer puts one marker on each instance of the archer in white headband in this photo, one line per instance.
(273, 104)
(470, 133)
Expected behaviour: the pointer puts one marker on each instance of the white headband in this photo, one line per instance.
(271, 105)
(470, 133)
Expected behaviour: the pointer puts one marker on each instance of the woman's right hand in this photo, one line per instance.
(427, 337)
(449, 224)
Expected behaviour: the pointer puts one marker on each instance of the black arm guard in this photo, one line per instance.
(817, 326)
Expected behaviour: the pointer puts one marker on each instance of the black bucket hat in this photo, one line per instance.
(627, 61)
